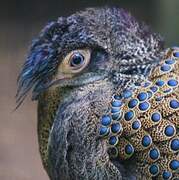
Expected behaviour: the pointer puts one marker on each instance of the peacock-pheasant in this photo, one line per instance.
(108, 98)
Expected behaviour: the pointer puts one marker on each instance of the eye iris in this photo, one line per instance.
(77, 59)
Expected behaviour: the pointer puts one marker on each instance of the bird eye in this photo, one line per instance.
(77, 60)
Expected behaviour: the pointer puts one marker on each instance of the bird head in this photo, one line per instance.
(85, 47)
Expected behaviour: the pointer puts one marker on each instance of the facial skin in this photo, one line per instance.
(73, 68)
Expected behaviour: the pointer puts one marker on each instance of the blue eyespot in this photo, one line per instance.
(116, 116)
(166, 175)
(175, 144)
(154, 89)
(176, 54)
(132, 103)
(144, 106)
(117, 97)
(154, 154)
(113, 140)
(116, 127)
(129, 149)
(142, 96)
(167, 90)
(160, 83)
(146, 141)
(136, 125)
(150, 94)
(128, 115)
(169, 130)
(103, 131)
(116, 103)
(127, 94)
(174, 164)
(154, 169)
(77, 59)
(106, 120)
(165, 68)
(156, 116)
(146, 84)
(174, 104)
(115, 110)
(159, 98)
(170, 61)
(172, 82)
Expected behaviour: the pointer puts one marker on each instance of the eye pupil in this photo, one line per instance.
(77, 59)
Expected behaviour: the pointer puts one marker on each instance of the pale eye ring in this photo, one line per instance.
(77, 60)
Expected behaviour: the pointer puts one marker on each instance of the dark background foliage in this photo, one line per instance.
(20, 21)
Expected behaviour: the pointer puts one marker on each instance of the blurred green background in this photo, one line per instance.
(20, 21)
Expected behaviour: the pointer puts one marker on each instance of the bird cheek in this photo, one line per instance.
(62, 76)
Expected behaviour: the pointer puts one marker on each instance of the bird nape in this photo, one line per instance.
(108, 98)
